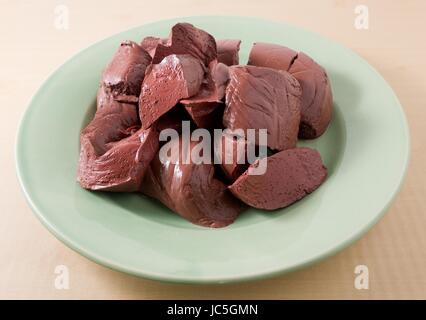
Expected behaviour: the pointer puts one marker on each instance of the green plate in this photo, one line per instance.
(366, 149)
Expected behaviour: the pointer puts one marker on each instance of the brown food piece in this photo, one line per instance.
(317, 99)
(290, 175)
(191, 190)
(206, 107)
(176, 77)
(206, 115)
(227, 51)
(103, 98)
(264, 98)
(112, 122)
(172, 120)
(231, 153)
(272, 56)
(149, 44)
(114, 155)
(122, 167)
(123, 76)
(186, 39)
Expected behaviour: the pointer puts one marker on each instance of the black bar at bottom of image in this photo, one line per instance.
(215, 309)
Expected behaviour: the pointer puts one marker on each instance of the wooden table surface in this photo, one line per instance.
(394, 250)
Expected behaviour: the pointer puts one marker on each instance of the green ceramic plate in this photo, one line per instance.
(366, 150)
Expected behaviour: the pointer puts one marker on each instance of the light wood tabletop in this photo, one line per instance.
(394, 251)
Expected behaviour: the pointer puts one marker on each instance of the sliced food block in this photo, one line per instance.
(112, 122)
(184, 38)
(290, 175)
(206, 107)
(123, 165)
(227, 51)
(123, 76)
(231, 152)
(272, 56)
(176, 77)
(114, 153)
(149, 44)
(317, 98)
(191, 189)
(264, 98)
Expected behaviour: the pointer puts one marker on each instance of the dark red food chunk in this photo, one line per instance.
(232, 154)
(176, 77)
(149, 44)
(264, 98)
(191, 190)
(227, 51)
(186, 39)
(206, 107)
(123, 76)
(317, 99)
(114, 154)
(290, 175)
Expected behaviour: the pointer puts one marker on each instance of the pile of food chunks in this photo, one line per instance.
(190, 76)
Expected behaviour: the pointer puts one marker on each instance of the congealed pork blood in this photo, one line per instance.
(191, 190)
(172, 120)
(264, 98)
(317, 99)
(205, 114)
(123, 76)
(114, 154)
(149, 44)
(231, 153)
(176, 77)
(161, 82)
(185, 39)
(206, 107)
(103, 98)
(227, 51)
(112, 122)
(272, 56)
(290, 175)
